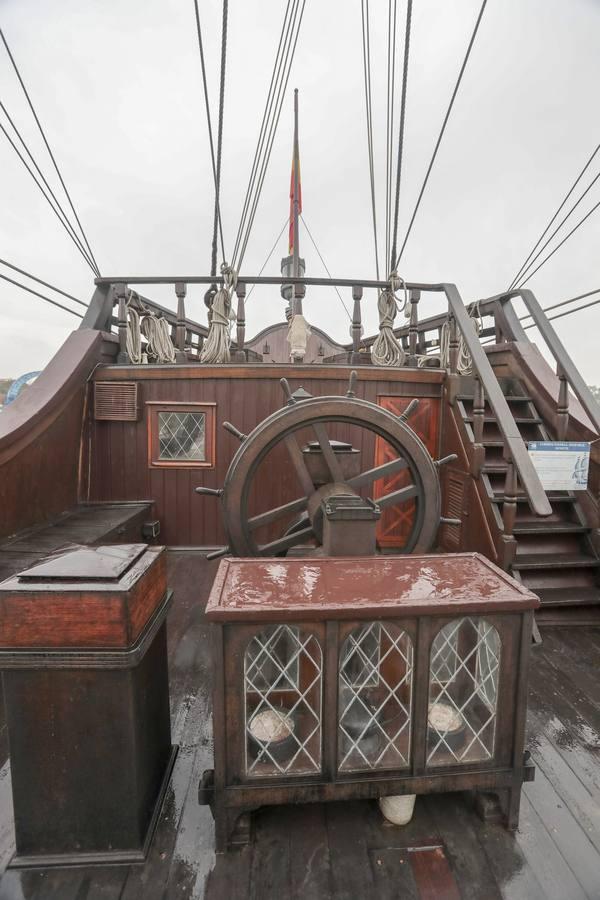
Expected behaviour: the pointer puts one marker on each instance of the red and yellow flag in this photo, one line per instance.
(292, 199)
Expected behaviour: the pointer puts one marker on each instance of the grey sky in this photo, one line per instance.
(117, 87)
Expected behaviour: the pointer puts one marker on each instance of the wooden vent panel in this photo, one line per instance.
(455, 492)
(116, 401)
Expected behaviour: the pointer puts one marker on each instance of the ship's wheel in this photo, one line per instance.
(334, 473)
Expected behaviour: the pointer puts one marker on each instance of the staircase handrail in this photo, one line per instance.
(562, 358)
(513, 441)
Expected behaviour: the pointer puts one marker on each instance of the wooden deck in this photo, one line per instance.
(346, 850)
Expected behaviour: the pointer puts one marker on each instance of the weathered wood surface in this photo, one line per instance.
(335, 851)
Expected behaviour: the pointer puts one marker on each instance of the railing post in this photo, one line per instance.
(121, 295)
(562, 409)
(453, 377)
(509, 513)
(240, 353)
(413, 329)
(357, 293)
(180, 290)
(478, 457)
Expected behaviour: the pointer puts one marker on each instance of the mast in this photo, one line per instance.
(297, 304)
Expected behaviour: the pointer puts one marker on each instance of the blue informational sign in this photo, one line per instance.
(561, 465)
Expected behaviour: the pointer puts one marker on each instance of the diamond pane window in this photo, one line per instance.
(374, 698)
(282, 689)
(182, 436)
(461, 723)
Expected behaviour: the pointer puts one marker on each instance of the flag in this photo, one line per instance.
(295, 158)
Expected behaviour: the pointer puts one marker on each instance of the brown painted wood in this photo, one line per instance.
(433, 875)
(76, 611)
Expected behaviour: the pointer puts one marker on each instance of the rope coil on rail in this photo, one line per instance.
(386, 349)
(142, 322)
(221, 315)
(464, 363)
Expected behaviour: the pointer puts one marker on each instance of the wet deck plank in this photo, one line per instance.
(346, 850)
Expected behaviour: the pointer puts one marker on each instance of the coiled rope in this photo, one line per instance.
(156, 330)
(464, 364)
(218, 341)
(386, 349)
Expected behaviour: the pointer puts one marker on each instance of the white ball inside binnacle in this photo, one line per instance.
(269, 726)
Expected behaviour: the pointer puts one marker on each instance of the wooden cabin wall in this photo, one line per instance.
(244, 395)
(40, 436)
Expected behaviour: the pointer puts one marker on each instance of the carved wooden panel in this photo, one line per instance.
(396, 521)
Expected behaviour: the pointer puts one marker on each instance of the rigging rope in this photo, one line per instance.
(325, 266)
(567, 312)
(47, 145)
(41, 296)
(562, 303)
(287, 58)
(143, 322)
(366, 47)
(564, 240)
(65, 219)
(552, 220)
(213, 263)
(464, 361)
(524, 276)
(392, 257)
(65, 224)
(209, 123)
(391, 79)
(441, 134)
(271, 252)
(386, 349)
(4, 262)
(218, 340)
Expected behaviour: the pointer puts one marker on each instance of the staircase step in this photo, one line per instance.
(520, 420)
(498, 497)
(569, 596)
(543, 527)
(492, 444)
(556, 561)
(511, 398)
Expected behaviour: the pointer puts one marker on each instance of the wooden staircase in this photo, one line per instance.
(555, 555)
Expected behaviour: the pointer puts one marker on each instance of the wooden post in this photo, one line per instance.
(121, 295)
(357, 293)
(453, 378)
(509, 512)
(562, 409)
(478, 458)
(180, 290)
(413, 332)
(240, 291)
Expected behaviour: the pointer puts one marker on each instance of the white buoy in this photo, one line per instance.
(398, 809)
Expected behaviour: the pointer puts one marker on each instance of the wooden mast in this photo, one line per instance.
(297, 304)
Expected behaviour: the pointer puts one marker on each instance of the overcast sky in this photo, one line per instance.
(116, 84)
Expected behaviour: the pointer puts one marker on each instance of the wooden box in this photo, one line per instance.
(83, 655)
(339, 678)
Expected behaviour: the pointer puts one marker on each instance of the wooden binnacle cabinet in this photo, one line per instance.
(328, 694)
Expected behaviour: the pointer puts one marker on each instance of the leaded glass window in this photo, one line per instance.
(182, 436)
(463, 693)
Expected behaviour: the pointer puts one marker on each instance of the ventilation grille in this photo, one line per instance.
(116, 401)
(455, 491)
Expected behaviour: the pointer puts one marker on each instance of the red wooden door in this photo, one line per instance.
(396, 521)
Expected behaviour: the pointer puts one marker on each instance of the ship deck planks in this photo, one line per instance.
(345, 850)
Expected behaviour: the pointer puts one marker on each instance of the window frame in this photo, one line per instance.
(159, 406)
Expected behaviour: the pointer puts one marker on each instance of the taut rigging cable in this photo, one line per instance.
(271, 252)
(389, 136)
(441, 134)
(564, 240)
(3, 262)
(209, 123)
(50, 153)
(552, 220)
(392, 256)
(567, 312)
(314, 243)
(293, 32)
(524, 275)
(65, 224)
(563, 303)
(213, 262)
(59, 211)
(41, 296)
(366, 47)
